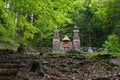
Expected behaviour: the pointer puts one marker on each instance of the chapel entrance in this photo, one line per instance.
(66, 44)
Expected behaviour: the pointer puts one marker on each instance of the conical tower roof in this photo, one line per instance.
(66, 38)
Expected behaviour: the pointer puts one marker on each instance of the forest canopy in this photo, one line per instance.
(32, 22)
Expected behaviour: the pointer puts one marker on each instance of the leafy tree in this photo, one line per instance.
(7, 26)
(112, 44)
(54, 13)
(89, 24)
(27, 17)
(108, 14)
(32, 22)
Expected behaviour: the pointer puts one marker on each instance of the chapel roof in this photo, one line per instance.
(66, 38)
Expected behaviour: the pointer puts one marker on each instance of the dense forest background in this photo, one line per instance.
(32, 22)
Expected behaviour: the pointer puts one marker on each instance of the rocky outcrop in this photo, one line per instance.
(75, 67)
(58, 67)
(115, 61)
(14, 66)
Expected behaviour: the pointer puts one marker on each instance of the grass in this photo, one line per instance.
(90, 55)
(58, 54)
(8, 46)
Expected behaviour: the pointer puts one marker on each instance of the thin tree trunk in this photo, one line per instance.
(13, 5)
(89, 39)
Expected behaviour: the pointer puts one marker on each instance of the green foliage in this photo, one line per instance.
(93, 55)
(96, 19)
(46, 14)
(107, 12)
(54, 54)
(53, 13)
(112, 44)
(7, 26)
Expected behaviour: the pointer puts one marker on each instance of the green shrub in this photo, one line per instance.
(112, 44)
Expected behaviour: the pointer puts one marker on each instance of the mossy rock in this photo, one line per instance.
(102, 78)
(74, 52)
(102, 56)
(41, 73)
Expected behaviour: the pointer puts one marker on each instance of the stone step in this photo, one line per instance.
(8, 72)
(5, 53)
(8, 78)
(9, 61)
(17, 57)
(2, 70)
(9, 66)
(11, 57)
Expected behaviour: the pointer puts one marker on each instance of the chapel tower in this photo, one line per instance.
(76, 39)
(56, 41)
